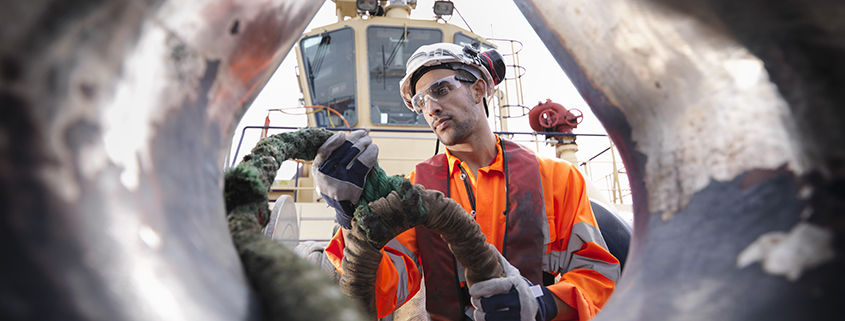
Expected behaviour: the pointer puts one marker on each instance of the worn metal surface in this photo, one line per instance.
(284, 225)
(115, 119)
(728, 115)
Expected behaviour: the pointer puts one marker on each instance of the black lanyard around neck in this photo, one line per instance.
(471, 192)
(463, 291)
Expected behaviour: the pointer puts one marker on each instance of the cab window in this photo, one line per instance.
(329, 60)
(388, 48)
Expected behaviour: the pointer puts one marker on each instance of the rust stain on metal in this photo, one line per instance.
(754, 177)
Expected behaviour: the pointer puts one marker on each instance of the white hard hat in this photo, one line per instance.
(443, 55)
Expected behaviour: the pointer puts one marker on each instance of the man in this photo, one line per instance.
(533, 209)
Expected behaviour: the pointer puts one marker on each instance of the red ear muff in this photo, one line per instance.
(495, 65)
(491, 60)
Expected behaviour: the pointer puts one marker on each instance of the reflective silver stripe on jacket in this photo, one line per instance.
(609, 270)
(562, 262)
(402, 289)
(394, 244)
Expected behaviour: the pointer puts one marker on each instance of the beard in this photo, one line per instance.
(457, 132)
(459, 128)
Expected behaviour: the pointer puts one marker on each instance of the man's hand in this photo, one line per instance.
(340, 168)
(512, 298)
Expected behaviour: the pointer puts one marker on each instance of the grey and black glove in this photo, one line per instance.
(339, 170)
(314, 253)
(511, 297)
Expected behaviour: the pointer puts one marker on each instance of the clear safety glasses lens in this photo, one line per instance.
(437, 90)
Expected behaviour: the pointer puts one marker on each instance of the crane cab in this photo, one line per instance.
(349, 74)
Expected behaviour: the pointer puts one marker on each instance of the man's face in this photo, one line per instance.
(455, 116)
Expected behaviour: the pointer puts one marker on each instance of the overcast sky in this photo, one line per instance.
(489, 18)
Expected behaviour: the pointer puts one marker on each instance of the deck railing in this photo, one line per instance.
(614, 182)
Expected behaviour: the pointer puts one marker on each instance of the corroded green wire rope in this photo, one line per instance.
(289, 288)
(250, 181)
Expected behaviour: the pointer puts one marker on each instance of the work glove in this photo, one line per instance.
(339, 170)
(511, 297)
(314, 253)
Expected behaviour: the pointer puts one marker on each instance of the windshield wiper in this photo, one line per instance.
(386, 62)
(315, 64)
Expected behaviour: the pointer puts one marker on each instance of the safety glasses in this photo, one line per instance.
(436, 91)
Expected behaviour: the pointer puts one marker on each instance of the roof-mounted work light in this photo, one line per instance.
(367, 5)
(443, 8)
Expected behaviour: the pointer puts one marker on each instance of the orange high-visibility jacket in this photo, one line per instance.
(574, 247)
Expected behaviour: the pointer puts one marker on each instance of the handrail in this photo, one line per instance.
(388, 130)
(426, 131)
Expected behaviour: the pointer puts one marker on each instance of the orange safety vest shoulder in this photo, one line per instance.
(522, 246)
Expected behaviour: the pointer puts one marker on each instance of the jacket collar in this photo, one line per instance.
(495, 165)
